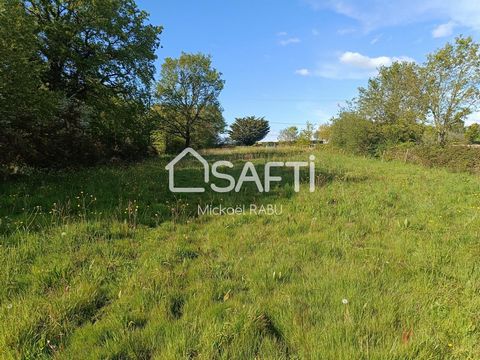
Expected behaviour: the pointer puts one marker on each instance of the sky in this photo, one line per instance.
(294, 61)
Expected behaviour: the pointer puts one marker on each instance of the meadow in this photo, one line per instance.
(380, 262)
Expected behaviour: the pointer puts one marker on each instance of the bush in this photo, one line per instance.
(355, 134)
(455, 158)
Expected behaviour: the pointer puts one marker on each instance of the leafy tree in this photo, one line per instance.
(249, 130)
(94, 61)
(26, 106)
(306, 135)
(208, 135)
(93, 47)
(324, 132)
(394, 100)
(289, 134)
(100, 56)
(188, 95)
(472, 133)
(204, 134)
(451, 85)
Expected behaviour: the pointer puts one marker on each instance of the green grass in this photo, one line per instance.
(88, 275)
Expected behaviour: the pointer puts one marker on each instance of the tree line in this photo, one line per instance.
(77, 87)
(414, 103)
(75, 81)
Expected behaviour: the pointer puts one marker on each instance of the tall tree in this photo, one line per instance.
(26, 107)
(394, 101)
(93, 47)
(188, 87)
(451, 85)
(289, 134)
(204, 134)
(96, 59)
(249, 130)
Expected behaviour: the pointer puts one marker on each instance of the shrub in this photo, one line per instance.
(355, 134)
(455, 158)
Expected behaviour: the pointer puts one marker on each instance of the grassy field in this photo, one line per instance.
(381, 262)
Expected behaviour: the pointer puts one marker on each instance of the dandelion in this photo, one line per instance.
(9, 306)
(344, 301)
(63, 234)
(450, 345)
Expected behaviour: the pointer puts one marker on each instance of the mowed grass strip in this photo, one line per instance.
(381, 262)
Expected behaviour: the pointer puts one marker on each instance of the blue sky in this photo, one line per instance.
(296, 61)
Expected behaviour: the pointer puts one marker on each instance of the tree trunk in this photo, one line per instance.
(187, 140)
(442, 138)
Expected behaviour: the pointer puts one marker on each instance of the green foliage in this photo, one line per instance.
(188, 99)
(324, 132)
(83, 72)
(394, 101)
(452, 85)
(353, 133)
(306, 135)
(289, 134)
(389, 111)
(249, 130)
(27, 108)
(455, 158)
(404, 97)
(472, 133)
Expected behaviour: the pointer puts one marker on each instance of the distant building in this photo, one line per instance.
(273, 143)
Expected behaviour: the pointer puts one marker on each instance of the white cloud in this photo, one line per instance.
(315, 32)
(282, 33)
(338, 72)
(302, 72)
(363, 62)
(443, 30)
(374, 14)
(358, 60)
(353, 65)
(289, 41)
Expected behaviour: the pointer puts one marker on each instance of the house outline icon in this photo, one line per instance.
(171, 166)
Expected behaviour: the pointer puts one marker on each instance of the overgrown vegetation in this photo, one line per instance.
(407, 103)
(74, 81)
(456, 158)
(380, 262)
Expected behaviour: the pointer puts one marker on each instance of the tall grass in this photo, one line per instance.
(381, 262)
